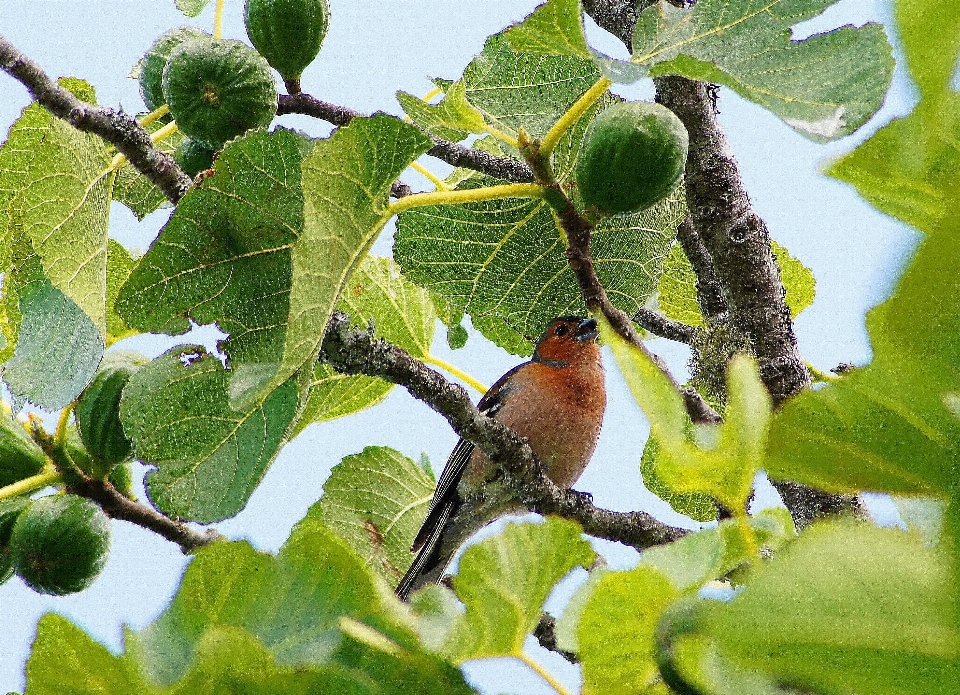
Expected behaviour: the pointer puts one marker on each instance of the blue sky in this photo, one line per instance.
(374, 48)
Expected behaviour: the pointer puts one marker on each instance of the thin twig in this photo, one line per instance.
(452, 153)
(117, 506)
(354, 351)
(117, 128)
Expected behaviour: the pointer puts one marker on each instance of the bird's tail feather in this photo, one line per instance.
(426, 556)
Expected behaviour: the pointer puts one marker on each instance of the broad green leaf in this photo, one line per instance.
(610, 621)
(453, 118)
(697, 505)
(225, 255)
(555, 27)
(504, 582)
(513, 89)
(931, 41)
(65, 660)
(334, 395)
(887, 426)
(227, 660)
(402, 314)
(346, 187)
(721, 460)
(57, 351)
(376, 501)
(504, 261)
(192, 8)
(119, 266)
(824, 87)
(209, 457)
(291, 602)
(615, 630)
(909, 166)
(63, 208)
(882, 621)
(20, 457)
(135, 190)
(677, 289)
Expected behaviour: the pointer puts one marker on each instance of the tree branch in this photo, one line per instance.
(452, 153)
(709, 289)
(116, 506)
(660, 325)
(737, 243)
(354, 351)
(117, 128)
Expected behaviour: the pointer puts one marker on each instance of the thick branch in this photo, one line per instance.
(119, 129)
(450, 152)
(736, 238)
(353, 351)
(660, 325)
(709, 290)
(117, 506)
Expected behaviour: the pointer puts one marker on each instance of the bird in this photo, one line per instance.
(556, 401)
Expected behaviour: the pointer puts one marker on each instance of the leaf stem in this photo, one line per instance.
(154, 116)
(473, 195)
(505, 137)
(155, 137)
(434, 179)
(573, 115)
(540, 671)
(60, 435)
(460, 374)
(218, 20)
(431, 94)
(748, 534)
(48, 476)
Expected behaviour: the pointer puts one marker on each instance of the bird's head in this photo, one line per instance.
(565, 340)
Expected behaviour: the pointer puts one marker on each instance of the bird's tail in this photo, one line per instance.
(428, 557)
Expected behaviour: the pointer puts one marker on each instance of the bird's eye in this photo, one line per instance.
(562, 330)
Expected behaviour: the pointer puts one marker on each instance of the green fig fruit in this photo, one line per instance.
(288, 33)
(98, 411)
(10, 509)
(217, 90)
(59, 544)
(155, 60)
(632, 156)
(193, 156)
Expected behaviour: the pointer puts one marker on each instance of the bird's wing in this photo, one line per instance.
(446, 491)
(427, 548)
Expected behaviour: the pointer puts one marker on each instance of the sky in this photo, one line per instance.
(374, 48)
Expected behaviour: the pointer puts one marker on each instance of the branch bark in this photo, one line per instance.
(117, 128)
(116, 506)
(737, 244)
(660, 325)
(354, 351)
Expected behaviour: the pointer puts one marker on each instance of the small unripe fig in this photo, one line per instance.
(98, 411)
(217, 90)
(193, 156)
(288, 33)
(155, 60)
(10, 509)
(631, 157)
(60, 544)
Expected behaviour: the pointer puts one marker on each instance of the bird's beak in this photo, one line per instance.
(587, 330)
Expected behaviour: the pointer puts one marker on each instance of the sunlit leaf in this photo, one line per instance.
(554, 28)
(883, 620)
(209, 457)
(504, 582)
(402, 314)
(376, 501)
(453, 118)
